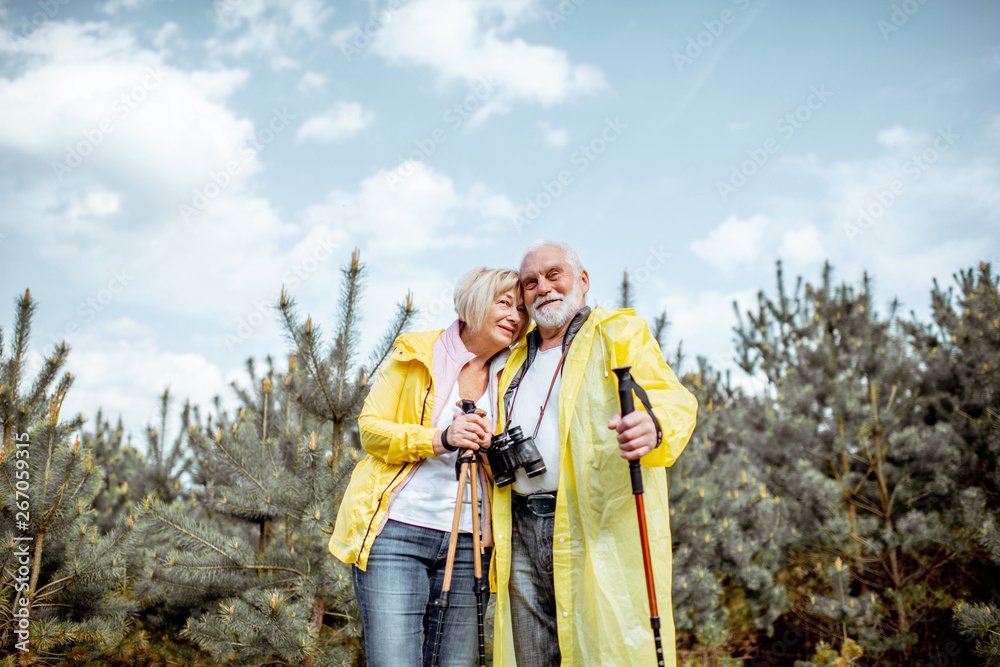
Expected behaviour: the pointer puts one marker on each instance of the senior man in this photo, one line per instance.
(569, 572)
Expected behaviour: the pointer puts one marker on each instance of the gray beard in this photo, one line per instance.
(554, 318)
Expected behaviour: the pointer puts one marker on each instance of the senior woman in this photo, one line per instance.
(395, 520)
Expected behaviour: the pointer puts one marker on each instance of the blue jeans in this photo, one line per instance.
(532, 590)
(397, 591)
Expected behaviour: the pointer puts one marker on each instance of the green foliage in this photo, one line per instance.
(56, 564)
(246, 556)
(981, 623)
(848, 396)
(848, 510)
(730, 532)
(848, 655)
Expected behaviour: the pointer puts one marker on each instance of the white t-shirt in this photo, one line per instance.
(525, 412)
(428, 499)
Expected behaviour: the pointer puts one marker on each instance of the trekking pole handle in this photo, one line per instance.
(628, 405)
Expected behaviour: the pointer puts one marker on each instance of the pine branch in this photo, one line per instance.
(405, 311)
(350, 292)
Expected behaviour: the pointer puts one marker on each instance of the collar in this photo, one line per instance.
(534, 338)
(533, 341)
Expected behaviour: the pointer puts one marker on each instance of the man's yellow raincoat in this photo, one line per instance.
(602, 609)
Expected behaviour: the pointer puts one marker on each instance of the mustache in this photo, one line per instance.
(552, 296)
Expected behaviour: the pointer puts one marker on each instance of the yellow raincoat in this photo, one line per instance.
(602, 609)
(397, 434)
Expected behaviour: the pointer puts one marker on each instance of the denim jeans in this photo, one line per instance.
(397, 591)
(532, 591)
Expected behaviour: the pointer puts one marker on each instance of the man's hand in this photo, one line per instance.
(470, 431)
(636, 434)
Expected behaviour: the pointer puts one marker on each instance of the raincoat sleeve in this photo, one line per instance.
(674, 406)
(381, 434)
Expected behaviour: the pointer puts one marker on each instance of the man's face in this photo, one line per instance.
(552, 293)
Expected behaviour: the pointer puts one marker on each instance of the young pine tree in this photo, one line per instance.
(270, 481)
(875, 572)
(962, 389)
(56, 566)
(730, 537)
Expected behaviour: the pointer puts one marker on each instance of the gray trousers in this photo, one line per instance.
(532, 591)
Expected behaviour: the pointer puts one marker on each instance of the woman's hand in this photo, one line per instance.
(470, 431)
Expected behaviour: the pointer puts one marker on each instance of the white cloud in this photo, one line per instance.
(121, 368)
(898, 136)
(266, 27)
(466, 41)
(164, 34)
(802, 246)
(733, 242)
(411, 209)
(93, 106)
(115, 6)
(930, 209)
(557, 137)
(704, 322)
(914, 267)
(122, 202)
(343, 121)
(311, 82)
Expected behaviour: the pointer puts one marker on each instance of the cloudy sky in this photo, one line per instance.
(166, 166)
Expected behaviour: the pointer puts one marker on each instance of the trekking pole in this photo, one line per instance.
(461, 469)
(635, 470)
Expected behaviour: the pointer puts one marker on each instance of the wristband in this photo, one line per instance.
(444, 441)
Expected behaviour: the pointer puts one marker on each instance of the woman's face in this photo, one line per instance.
(506, 319)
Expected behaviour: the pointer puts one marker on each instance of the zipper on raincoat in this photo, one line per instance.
(413, 468)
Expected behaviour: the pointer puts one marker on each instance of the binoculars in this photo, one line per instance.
(510, 451)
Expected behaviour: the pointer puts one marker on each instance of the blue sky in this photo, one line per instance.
(166, 166)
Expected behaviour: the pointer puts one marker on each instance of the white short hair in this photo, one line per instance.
(571, 256)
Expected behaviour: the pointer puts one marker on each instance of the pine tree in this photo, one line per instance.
(844, 401)
(18, 409)
(129, 475)
(729, 534)
(962, 388)
(62, 571)
(269, 481)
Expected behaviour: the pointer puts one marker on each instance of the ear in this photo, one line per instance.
(585, 281)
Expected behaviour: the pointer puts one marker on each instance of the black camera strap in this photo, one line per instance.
(639, 391)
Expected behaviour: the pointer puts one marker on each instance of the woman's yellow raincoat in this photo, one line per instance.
(397, 434)
(601, 602)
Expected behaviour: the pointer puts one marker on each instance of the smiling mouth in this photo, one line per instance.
(503, 328)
